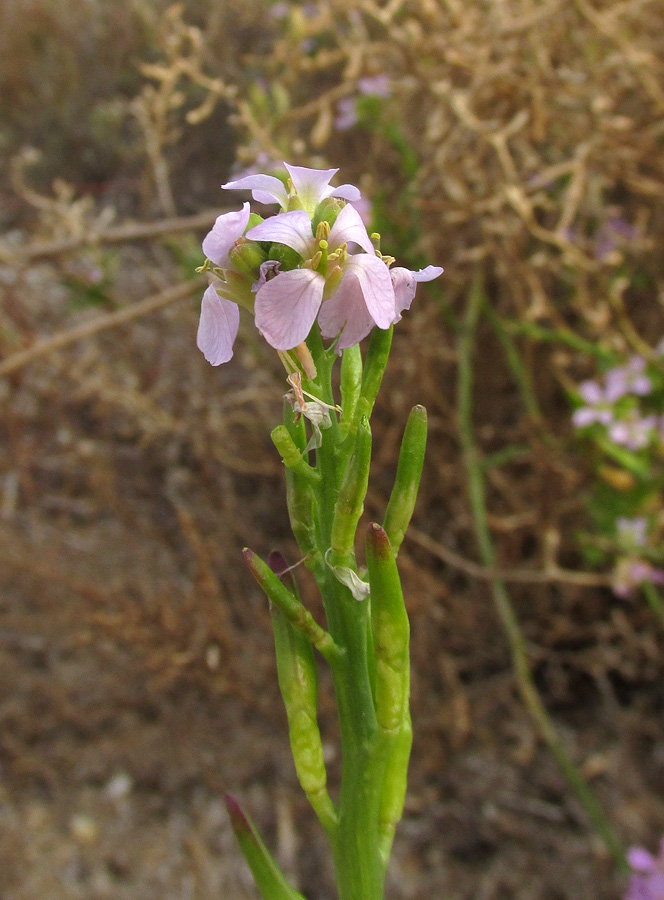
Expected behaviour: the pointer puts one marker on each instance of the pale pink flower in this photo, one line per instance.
(287, 305)
(220, 317)
(225, 232)
(311, 185)
(405, 285)
(647, 879)
(347, 313)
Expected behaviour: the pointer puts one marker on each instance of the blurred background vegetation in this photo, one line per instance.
(518, 143)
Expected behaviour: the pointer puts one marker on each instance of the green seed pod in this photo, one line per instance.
(299, 495)
(247, 257)
(350, 502)
(374, 367)
(286, 257)
(298, 683)
(391, 631)
(290, 454)
(351, 382)
(298, 616)
(395, 782)
(409, 471)
(327, 211)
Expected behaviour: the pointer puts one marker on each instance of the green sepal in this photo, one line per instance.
(350, 502)
(391, 631)
(286, 257)
(290, 606)
(267, 875)
(254, 220)
(406, 484)
(298, 682)
(247, 257)
(327, 211)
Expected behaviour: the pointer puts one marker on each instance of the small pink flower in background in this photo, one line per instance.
(370, 86)
(631, 573)
(597, 409)
(632, 531)
(629, 379)
(633, 432)
(346, 114)
(647, 879)
(375, 86)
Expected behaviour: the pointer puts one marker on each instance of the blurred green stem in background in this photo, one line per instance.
(477, 303)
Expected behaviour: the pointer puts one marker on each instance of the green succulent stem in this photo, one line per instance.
(364, 641)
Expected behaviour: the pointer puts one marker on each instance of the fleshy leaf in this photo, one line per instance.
(267, 875)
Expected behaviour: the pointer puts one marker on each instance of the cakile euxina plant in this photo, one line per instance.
(317, 284)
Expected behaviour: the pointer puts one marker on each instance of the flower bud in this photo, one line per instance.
(247, 256)
(327, 211)
(285, 256)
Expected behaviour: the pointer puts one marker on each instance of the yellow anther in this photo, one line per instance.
(323, 231)
(316, 259)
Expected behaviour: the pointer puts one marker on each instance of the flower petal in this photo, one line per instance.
(345, 192)
(312, 185)
(346, 313)
(286, 307)
(405, 284)
(264, 188)
(640, 860)
(375, 284)
(225, 231)
(591, 392)
(290, 228)
(349, 228)
(217, 328)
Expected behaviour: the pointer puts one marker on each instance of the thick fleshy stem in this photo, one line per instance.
(366, 641)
